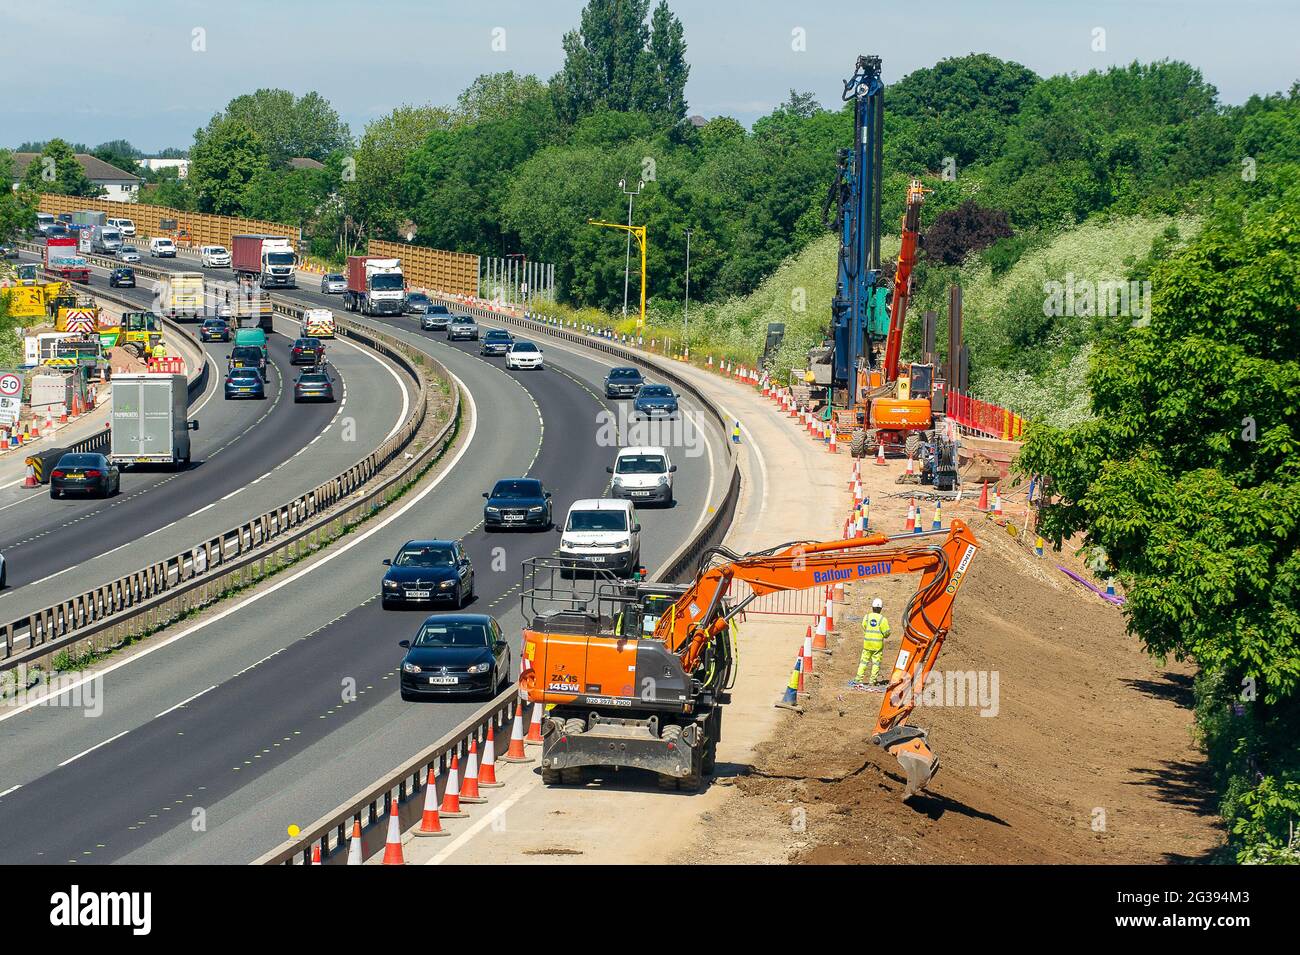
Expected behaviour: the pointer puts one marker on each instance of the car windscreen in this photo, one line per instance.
(466, 320)
(494, 335)
(517, 490)
(208, 322)
(525, 346)
(417, 297)
(244, 374)
(656, 391)
(335, 277)
(307, 343)
(597, 521)
(451, 633)
(624, 374)
(436, 310)
(80, 461)
(425, 557)
(279, 258)
(246, 353)
(641, 464)
(313, 379)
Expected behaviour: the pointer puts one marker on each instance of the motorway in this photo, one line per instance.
(242, 454)
(275, 708)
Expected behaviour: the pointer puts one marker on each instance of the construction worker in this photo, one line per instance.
(160, 350)
(875, 628)
(735, 433)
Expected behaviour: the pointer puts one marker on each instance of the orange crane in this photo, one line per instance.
(637, 674)
(903, 276)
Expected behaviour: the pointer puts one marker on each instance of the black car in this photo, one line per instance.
(245, 383)
(417, 303)
(623, 382)
(214, 330)
(517, 502)
(121, 278)
(654, 401)
(85, 474)
(496, 342)
(436, 318)
(306, 351)
(427, 572)
(463, 653)
(247, 356)
(313, 385)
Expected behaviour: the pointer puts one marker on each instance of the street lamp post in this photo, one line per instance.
(686, 313)
(627, 261)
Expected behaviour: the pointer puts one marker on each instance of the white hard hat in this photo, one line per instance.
(877, 603)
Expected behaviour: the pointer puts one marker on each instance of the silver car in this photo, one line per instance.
(462, 326)
(128, 253)
(333, 284)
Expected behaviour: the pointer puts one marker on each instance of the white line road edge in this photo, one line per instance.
(204, 624)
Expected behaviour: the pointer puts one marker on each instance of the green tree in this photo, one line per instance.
(166, 188)
(1189, 479)
(498, 95)
(287, 126)
(17, 206)
(55, 169)
(223, 163)
(119, 153)
(372, 190)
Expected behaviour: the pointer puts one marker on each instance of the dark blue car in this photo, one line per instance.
(654, 401)
(245, 383)
(496, 342)
(456, 653)
(427, 572)
(517, 502)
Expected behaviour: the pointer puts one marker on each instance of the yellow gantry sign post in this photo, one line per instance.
(642, 242)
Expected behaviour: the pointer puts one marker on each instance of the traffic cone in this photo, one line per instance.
(853, 477)
(911, 470)
(829, 617)
(315, 854)
(819, 636)
(534, 737)
(393, 847)
(937, 523)
(880, 454)
(910, 526)
(469, 785)
(984, 497)
(430, 823)
(790, 698)
(830, 443)
(451, 795)
(515, 752)
(1110, 587)
(30, 480)
(916, 522)
(997, 503)
(857, 492)
(355, 856)
(487, 771)
(807, 651)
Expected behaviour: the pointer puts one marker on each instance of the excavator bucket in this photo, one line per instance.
(918, 763)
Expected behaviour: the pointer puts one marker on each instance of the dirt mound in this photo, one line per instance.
(1083, 752)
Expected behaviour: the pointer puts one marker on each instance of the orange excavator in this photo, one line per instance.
(637, 674)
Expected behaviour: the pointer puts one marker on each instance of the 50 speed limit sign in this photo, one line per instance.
(10, 385)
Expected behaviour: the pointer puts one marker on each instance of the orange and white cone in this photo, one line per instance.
(393, 847)
(880, 454)
(515, 752)
(830, 609)
(430, 823)
(997, 503)
(910, 526)
(807, 650)
(451, 795)
(469, 785)
(819, 635)
(911, 468)
(534, 737)
(355, 854)
(487, 770)
(831, 442)
(315, 854)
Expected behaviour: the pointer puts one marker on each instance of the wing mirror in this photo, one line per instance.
(672, 468)
(388, 562)
(404, 643)
(485, 494)
(609, 470)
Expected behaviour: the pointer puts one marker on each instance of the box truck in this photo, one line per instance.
(181, 296)
(63, 259)
(268, 260)
(375, 286)
(149, 423)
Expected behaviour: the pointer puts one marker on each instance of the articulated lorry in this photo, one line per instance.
(149, 423)
(181, 296)
(63, 259)
(269, 260)
(375, 286)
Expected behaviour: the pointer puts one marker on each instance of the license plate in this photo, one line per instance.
(75, 477)
(514, 517)
(640, 493)
(596, 560)
(444, 680)
(417, 593)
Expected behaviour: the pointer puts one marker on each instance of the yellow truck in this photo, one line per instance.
(80, 316)
(182, 296)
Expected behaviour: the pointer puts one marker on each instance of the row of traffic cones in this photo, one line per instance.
(458, 790)
(814, 641)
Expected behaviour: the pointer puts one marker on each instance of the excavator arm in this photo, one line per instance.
(702, 613)
(903, 277)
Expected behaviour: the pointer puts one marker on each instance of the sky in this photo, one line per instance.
(95, 70)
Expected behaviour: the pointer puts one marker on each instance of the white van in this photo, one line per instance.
(125, 226)
(604, 534)
(643, 475)
(214, 257)
(162, 248)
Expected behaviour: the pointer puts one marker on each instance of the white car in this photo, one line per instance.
(214, 257)
(125, 226)
(602, 534)
(643, 475)
(523, 355)
(162, 248)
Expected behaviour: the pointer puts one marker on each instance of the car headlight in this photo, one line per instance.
(618, 480)
(663, 480)
(447, 585)
(621, 545)
(536, 510)
(479, 668)
(410, 668)
(493, 510)
(390, 585)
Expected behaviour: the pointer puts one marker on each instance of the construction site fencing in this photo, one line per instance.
(983, 417)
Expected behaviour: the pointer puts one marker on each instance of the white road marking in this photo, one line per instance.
(481, 824)
(73, 759)
(183, 702)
